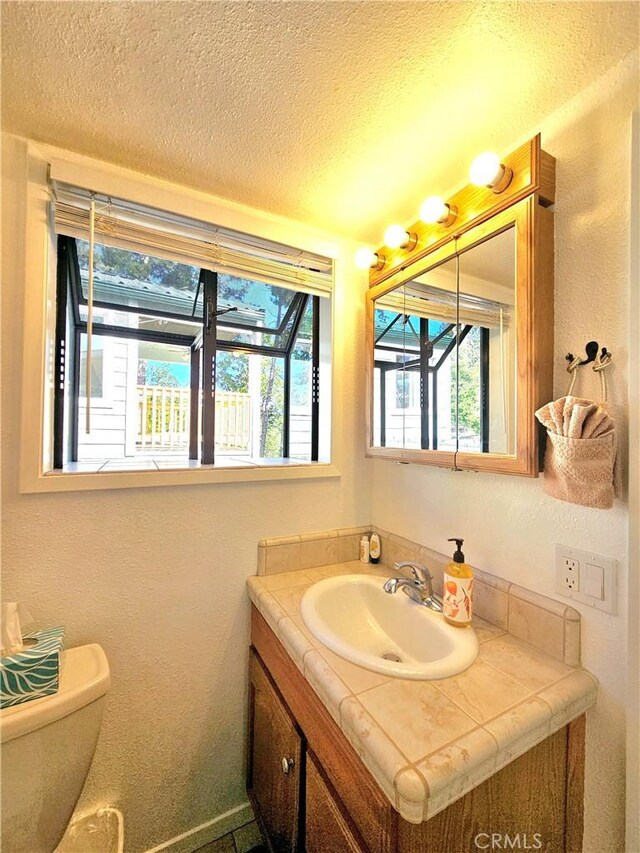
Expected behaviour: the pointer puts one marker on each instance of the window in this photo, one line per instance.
(189, 365)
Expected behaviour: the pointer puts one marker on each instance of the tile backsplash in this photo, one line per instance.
(309, 550)
(542, 622)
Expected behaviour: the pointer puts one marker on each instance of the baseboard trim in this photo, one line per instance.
(197, 837)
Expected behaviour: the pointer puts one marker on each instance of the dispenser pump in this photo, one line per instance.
(457, 599)
(458, 556)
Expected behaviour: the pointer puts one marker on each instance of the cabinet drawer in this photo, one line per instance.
(328, 828)
(275, 762)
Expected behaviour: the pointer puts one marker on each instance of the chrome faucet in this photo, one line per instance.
(419, 588)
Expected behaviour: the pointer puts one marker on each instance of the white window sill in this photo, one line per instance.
(85, 476)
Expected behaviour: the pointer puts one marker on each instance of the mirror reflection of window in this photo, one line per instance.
(414, 383)
(487, 357)
(431, 303)
(445, 357)
(391, 391)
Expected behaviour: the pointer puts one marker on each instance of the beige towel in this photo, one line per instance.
(580, 464)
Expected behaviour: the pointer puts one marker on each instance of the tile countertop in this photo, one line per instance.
(427, 743)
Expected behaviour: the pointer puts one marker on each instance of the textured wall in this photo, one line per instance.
(343, 114)
(509, 524)
(157, 576)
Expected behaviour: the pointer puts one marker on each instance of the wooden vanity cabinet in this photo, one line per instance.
(276, 762)
(328, 802)
(328, 828)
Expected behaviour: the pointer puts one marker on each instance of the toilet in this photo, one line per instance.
(47, 748)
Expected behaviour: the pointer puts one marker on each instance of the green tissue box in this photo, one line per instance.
(34, 671)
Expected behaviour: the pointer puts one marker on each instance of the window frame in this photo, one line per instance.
(38, 381)
(204, 341)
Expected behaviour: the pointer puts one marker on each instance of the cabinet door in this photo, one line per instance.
(328, 828)
(274, 762)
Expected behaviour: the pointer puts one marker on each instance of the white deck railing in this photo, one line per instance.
(233, 420)
(163, 418)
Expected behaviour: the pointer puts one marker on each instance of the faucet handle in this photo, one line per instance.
(420, 573)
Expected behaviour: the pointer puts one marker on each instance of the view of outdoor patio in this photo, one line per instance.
(163, 420)
(147, 365)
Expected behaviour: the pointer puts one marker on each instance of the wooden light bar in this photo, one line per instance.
(534, 172)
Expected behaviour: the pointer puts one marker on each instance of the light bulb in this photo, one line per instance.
(434, 209)
(487, 171)
(397, 237)
(368, 259)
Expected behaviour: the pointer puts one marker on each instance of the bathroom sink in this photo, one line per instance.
(354, 617)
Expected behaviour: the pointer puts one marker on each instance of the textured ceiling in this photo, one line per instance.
(341, 114)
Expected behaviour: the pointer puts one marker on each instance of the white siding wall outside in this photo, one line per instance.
(300, 435)
(107, 438)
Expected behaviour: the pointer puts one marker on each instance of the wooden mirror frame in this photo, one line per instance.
(533, 222)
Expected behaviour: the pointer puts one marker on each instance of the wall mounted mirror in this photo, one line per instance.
(460, 347)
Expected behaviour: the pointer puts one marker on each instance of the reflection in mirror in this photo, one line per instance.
(414, 367)
(487, 353)
(445, 355)
(390, 391)
(430, 303)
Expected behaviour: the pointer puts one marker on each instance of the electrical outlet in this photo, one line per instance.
(571, 565)
(570, 574)
(586, 577)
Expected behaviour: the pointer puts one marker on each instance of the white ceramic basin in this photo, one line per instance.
(354, 617)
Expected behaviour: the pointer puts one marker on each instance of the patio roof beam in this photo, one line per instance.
(388, 328)
(139, 334)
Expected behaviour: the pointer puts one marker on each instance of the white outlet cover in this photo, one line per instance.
(584, 558)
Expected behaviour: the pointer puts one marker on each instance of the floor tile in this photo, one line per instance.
(220, 845)
(248, 837)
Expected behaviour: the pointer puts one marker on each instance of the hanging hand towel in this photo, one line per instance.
(580, 464)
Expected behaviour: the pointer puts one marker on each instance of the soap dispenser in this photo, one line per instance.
(457, 601)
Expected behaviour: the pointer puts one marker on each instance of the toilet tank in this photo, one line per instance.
(47, 748)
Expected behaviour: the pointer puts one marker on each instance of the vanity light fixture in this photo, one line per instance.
(434, 209)
(397, 237)
(487, 171)
(368, 259)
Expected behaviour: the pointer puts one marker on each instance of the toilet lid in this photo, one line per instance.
(84, 677)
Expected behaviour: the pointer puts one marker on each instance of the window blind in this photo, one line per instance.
(480, 313)
(137, 228)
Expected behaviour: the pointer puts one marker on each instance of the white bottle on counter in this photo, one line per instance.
(374, 548)
(364, 550)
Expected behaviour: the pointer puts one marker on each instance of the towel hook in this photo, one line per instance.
(600, 362)
(592, 353)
